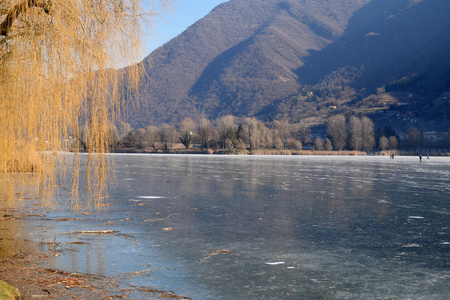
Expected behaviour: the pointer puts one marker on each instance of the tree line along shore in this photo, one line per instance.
(241, 136)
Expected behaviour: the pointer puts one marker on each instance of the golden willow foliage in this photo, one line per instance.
(57, 80)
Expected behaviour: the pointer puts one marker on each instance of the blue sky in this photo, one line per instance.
(184, 13)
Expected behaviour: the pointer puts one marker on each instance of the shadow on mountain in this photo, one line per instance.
(386, 40)
(213, 71)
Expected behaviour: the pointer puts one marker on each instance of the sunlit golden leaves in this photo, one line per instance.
(58, 87)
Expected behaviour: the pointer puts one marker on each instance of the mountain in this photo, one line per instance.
(300, 59)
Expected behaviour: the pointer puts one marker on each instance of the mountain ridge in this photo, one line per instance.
(265, 58)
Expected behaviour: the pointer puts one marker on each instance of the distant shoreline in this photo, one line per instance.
(282, 152)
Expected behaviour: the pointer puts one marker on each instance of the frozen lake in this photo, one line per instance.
(266, 227)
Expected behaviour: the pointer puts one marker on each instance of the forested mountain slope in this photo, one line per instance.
(272, 58)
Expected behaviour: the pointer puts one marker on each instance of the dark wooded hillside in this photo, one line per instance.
(302, 59)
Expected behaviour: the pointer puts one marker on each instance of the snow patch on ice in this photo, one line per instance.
(413, 245)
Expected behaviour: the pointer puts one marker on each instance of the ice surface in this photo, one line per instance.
(336, 227)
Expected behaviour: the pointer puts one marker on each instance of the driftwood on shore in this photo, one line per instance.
(100, 232)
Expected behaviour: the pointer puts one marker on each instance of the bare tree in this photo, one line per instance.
(186, 129)
(318, 144)
(151, 137)
(277, 142)
(383, 143)
(294, 144)
(205, 133)
(336, 129)
(140, 133)
(251, 130)
(167, 135)
(328, 146)
(130, 140)
(393, 143)
(282, 130)
(240, 144)
(123, 129)
(227, 129)
(267, 139)
(368, 134)
(355, 131)
(228, 144)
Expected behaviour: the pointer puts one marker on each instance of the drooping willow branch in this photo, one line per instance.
(59, 83)
(19, 9)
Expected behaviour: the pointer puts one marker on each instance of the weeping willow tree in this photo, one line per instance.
(59, 87)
